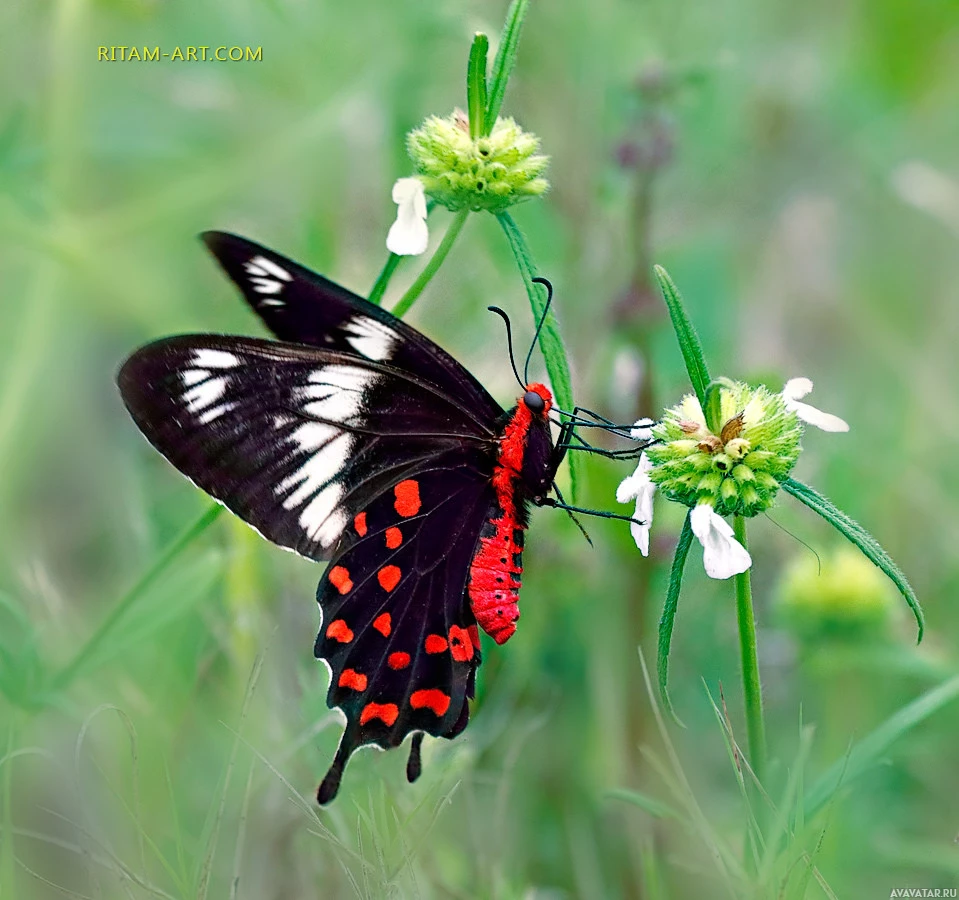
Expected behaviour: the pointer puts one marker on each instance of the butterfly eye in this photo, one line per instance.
(534, 402)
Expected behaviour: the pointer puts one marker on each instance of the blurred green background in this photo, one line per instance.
(793, 165)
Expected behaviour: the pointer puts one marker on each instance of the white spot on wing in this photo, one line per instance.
(349, 378)
(215, 413)
(312, 435)
(370, 338)
(260, 265)
(316, 471)
(339, 406)
(266, 285)
(316, 515)
(207, 358)
(194, 376)
(331, 529)
(205, 393)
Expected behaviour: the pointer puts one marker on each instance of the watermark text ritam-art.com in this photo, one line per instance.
(924, 892)
(199, 53)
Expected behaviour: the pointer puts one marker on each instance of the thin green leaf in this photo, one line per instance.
(858, 535)
(550, 340)
(669, 614)
(654, 807)
(505, 60)
(689, 343)
(476, 85)
(870, 749)
(712, 411)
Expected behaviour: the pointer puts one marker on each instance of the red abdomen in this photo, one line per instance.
(495, 576)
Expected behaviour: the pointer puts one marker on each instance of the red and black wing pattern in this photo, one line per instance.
(397, 628)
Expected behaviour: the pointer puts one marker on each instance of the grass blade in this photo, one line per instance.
(476, 85)
(868, 751)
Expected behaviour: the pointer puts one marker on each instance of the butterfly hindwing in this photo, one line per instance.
(397, 630)
(291, 438)
(299, 305)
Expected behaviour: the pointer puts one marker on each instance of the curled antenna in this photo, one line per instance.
(539, 328)
(509, 341)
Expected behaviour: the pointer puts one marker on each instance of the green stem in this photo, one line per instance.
(183, 540)
(752, 690)
(383, 279)
(416, 288)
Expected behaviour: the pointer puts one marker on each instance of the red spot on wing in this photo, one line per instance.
(473, 632)
(433, 699)
(338, 630)
(389, 577)
(435, 643)
(359, 523)
(385, 712)
(383, 623)
(398, 660)
(394, 537)
(352, 679)
(339, 577)
(461, 647)
(407, 497)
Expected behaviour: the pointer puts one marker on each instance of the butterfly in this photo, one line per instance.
(354, 439)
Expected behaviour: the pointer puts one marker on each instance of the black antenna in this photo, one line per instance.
(539, 328)
(509, 341)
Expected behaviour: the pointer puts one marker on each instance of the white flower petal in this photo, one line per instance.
(642, 430)
(799, 387)
(723, 555)
(639, 486)
(408, 235)
(796, 388)
(825, 421)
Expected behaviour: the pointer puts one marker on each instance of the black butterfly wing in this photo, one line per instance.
(293, 439)
(397, 629)
(299, 305)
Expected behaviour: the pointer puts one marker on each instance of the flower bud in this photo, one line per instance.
(492, 172)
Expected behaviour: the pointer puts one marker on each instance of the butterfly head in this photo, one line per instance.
(537, 399)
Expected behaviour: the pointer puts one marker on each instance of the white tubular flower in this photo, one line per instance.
(799, 387)
(408, 235)
(639, 487)
(723, 555)
(642, 430)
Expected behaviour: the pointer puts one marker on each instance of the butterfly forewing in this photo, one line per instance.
(292, 439)
(299, 305)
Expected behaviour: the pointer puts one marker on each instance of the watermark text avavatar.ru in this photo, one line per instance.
(924, 892)
(199, 53)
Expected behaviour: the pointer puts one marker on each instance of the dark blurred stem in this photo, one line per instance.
(129, 599)
(383, 279)
(439, 255)
(752, 689)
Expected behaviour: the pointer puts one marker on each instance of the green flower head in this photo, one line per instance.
(490, 173)
(738, 469)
